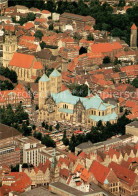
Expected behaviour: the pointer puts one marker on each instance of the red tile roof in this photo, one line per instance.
(20, 181)
(38, 65)
(99, 171)
(134, 27)
(22, 60)
(123, 173)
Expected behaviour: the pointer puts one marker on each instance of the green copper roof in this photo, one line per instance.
(69, 111)
(55, 73)
(94, 102)
(105, 118)
(44, 78)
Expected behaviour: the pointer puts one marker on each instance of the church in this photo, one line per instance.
(57, 105)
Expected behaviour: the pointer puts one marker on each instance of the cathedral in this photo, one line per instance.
(62, 106)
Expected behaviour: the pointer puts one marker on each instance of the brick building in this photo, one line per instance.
(9, 153)
(78, 21)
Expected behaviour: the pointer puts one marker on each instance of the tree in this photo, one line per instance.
(57, 126)
(46, 126)
(82, 50)
(106, 60)
(116, 61)
(50, 128)
(135, 82)
(43, 124)
(65, 139)
(90, 37)
(31, 16)
(38, 34)
(51, 27)
(46, 140)
(121, 3)
(37, 79)
(27, 131)
(15, 168)
(43, 45)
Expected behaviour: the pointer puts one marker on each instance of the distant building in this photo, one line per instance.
(132, 128)
(133, 37)
(77, 21)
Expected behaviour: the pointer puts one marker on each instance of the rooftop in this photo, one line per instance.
(44, 78)
(133, 124)
(6, 132)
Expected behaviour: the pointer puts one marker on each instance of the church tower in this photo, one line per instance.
(55, 81)
(54, 172)
(133, 37)
(44, 89)
(9, 48)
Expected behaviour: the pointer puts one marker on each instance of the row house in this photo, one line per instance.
(39, 175)
(128, 179)
(104, 177)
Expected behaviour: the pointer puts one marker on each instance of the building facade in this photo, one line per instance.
(77, 21)
(9, 48)
(55, 105)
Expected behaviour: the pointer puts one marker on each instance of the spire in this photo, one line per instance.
(134, 27)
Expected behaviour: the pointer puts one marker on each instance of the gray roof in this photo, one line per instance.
(133, 124)
(40, 191)
(85, 145)
(6, 132)
(75, 192)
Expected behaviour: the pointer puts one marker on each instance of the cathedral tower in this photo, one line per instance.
(44, 89)
(133, 37)
(55, 82)
(9, 48)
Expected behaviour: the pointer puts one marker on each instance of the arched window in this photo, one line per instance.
(99, 113)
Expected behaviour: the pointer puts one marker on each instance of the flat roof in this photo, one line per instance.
(40, 191)
(133, 124)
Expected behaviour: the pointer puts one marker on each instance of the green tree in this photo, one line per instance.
(27, 131)
(38, 34)
(106, 60)
(46, 126)
(51, 27)
(57, 126)
(90, 37)
(43, 45)
(121, 3)
(43, 124)
(31, 16)
(46, 140)
(50, 128)
(135, 82)
(37, 79)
